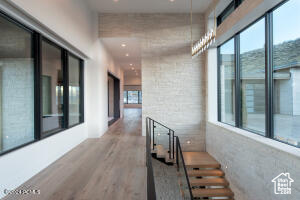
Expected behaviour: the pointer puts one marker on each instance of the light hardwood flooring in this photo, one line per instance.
(111, 167)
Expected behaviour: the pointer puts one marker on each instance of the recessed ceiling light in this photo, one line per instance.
(130, 64)
(171, 0)
(127, 54)
(123, 45)
(188, 142)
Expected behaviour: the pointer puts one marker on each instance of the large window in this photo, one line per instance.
(267, 76)
(75, 92)
(227, 82)
(133, 97)
(16, 85)
(52, 87)
(34, 89)
(286, 72)
(252, 70)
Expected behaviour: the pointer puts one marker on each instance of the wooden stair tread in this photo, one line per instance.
(200, 160)
(209, 182)
(203, 172)
(212, 192)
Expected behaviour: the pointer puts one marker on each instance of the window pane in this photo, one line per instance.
(133, 97)
(227, 82)
(286, 72)
(74, 91)
(140, 97)
(16, 86)
(52, 88)
(125, 96)
(252, 62)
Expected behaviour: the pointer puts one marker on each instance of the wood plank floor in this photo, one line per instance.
(111, 167)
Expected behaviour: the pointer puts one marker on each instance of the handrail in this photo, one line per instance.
(178, 149)
(159, 123)
(151, 194)
(170, 133)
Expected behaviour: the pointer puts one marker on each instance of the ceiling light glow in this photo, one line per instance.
(123, 45)
(127, 54)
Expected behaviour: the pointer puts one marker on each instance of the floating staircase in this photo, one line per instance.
(206, 177)
(199, 175)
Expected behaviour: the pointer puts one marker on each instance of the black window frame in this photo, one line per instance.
(269, 85)
(81, 86)
(36, 43)
(219, 79)
(45, 134)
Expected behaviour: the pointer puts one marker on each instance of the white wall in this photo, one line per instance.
(71, 22)
(212, 85)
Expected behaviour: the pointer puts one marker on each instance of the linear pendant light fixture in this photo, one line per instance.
(207, 40)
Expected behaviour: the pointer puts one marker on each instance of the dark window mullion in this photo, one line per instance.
(269, 75)
(37, 85)
(219, 83)
(238, 114)
(81, 90)
(66, 87)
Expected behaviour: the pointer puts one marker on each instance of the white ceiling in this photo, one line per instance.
(131, 63)
(114, 45)
(148, 6)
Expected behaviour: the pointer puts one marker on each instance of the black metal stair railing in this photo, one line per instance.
(182, 172)
(175, 153)
(158, 130)
(151, 194)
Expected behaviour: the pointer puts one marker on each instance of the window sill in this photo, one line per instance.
(261, 139)
(36, 140)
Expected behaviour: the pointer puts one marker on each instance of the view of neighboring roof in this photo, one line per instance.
(286, 55)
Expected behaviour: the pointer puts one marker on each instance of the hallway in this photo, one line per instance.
(110, 167)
